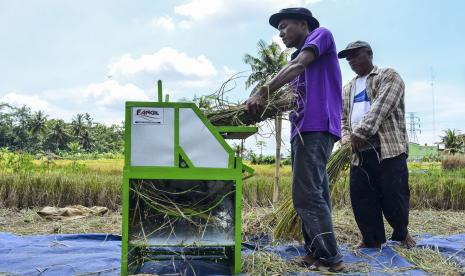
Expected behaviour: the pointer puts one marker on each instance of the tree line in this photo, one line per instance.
(22, 129)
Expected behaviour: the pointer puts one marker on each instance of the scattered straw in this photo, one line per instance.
(430, 260)
(266, 263)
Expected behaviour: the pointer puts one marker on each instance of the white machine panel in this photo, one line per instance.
(152, 136)
(199, 144)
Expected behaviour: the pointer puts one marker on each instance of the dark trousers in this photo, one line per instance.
(310, 193)
(378, 188)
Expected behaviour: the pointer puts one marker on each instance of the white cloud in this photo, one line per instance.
(167, 62)
(130, 78)
(111, 94)
(186, 75)
(239, 12)
(32, 101)
(104, 101)
(165, 23)
(198, 10)
(228, 72)
(184, 24)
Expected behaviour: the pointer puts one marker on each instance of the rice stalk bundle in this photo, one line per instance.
(288, 224)
(221, 112)
(237, 115)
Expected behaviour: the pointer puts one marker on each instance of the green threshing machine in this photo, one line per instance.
(181, 187)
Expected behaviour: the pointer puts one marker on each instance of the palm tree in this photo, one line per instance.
(6, 125)
(87, 141)
(453, 143)
(21, 139)
(78, 125)
(58, 135)
(268, 63)
(74, 147)
(88, 120)
(264, 67)
(38, 123)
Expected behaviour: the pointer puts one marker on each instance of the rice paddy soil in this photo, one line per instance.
(27, 222)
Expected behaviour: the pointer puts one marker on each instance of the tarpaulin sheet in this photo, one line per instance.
(78, 254)
(60, 254)
(452, 247)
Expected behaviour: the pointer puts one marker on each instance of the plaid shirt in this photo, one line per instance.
(386, 116)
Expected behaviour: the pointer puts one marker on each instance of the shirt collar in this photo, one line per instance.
(374, 71)
(296, 53)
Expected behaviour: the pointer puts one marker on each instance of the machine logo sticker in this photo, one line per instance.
(147, 115)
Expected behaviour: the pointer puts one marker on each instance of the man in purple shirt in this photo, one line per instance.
(315, 77)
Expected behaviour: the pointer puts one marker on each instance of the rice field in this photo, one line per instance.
(98, 182)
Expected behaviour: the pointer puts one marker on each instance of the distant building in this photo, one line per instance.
(419, 153)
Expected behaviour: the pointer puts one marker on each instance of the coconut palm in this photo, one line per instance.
(6, 126)
(21, 117)
(453, 143)
(87, 141)
(88, 120)
(58, 137)
(78, 125)
(271, 58)
(38, 123)
(74, 147)
(268, 63)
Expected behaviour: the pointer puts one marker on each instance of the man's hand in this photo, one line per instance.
(345, 139)
(257, 102)
(356, 142)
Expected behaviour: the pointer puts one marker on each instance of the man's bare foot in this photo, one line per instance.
(409, 242)
(364, 245)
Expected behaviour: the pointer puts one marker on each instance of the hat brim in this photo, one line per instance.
(344, 53)
(277, 17)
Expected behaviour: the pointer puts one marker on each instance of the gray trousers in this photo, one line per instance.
(310, 193)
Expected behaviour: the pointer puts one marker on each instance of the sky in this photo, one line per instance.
(69, 57)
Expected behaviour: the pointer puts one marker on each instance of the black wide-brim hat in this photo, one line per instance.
(294, 13)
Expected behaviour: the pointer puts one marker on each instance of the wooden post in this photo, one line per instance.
(278, 126)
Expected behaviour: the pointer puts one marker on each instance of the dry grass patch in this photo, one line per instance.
(28, 222)
(452, 162)
(266, 263)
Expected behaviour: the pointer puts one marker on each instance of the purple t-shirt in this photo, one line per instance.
(318, 104)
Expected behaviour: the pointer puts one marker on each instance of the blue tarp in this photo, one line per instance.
(453, 247)
(89, 253)
(60, 254)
